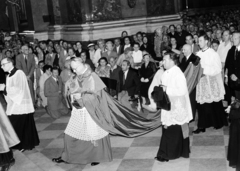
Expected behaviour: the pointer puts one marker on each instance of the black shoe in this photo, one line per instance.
(94, 163)
(161, 159)
(58, 160)
(199, 130)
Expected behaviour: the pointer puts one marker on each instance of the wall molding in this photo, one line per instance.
(93, 31)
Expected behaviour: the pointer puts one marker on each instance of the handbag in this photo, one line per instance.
(235, 85)
(161, 98)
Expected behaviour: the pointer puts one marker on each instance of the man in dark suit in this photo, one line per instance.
(118, 48)
(181, 36)
(189, 40)
(188, 58)
(26, 63)
(43, 46)
(53, 88)
(80, 50)
(129, 84)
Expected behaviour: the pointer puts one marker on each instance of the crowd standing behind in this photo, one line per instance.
(133, 60)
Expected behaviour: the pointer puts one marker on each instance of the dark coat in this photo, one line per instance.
(132, 82)
(28, 68)
(184, 63)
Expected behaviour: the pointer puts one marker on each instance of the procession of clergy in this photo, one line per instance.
(194, 84)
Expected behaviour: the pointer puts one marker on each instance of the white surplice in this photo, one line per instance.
(210, 87)
(19, 100)
(177, 91)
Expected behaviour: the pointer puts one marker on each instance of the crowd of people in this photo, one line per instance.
(195, 64)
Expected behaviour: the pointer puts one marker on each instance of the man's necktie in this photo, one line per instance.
(236, 53)
(25, 59)
(184, 59)
(57, 82)
(124, 78)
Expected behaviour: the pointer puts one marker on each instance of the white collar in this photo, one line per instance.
(11, 70)
(54, 78)
(238, 47)
(187, 57)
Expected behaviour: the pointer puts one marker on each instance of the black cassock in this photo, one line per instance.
(234, 137)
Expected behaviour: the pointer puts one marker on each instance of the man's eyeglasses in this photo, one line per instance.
(4, 64)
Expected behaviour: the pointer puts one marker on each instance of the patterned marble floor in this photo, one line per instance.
(208, 151)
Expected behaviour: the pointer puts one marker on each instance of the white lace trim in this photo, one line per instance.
(210, 89)
(81, 126)
(180, 112)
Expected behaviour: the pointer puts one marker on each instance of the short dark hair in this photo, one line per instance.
(136, 43)
(128, 39)
(103, 58)
(127, 61)
(172, 26)
(78, 42)
(71, 49)
(83, 52)
(139, 33)
(47, 67)
(215, 41)
(204, 36)
(173, 56)
(43, 42)
(40, 61)
(55, 68)
(189, 35)
(8, 51)
(49, 40)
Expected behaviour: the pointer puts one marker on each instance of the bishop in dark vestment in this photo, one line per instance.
(189, 57)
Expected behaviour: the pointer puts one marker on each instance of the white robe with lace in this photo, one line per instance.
(210, 87)
(18, 98)
(177, 91)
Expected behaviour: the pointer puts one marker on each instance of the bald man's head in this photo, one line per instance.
(77, 66)
(187, 50)
(236, 39)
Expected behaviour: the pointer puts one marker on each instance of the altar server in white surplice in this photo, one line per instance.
(210, 89)
(175, 140)
(19, 106)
